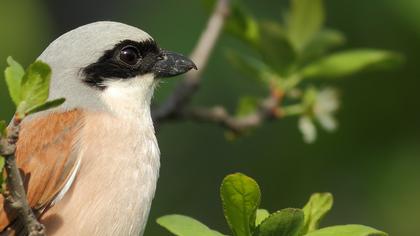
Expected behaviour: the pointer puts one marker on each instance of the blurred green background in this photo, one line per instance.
(371, 164)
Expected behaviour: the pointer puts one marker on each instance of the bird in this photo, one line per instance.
(91, 165)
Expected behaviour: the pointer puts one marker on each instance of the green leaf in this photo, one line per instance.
(276, 49)
(35, 87)
(322, 42)
(349, 62)
(247, 105)
(305, 20)
(262, 214)
(287, 222)
(347, 230)
(185, 226)
(46, 106)
(3, 128)
(242, 24)
(2, 162)
(241, 197)
(251, 67)
(318, 206)
(14, 74)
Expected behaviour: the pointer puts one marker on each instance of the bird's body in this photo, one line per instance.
(121, 177)
(91, 165)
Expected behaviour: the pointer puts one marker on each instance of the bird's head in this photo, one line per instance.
(105, 65)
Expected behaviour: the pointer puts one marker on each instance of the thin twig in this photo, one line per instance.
(267, 110)
(186, 89)
(15, 194)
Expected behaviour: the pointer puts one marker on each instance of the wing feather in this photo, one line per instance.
(46, 153)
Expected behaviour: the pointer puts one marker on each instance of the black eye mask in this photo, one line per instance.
(129, 59)
(115, 64)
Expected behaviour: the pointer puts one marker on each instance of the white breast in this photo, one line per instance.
(114, 188)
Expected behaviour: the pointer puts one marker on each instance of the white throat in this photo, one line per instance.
(127, 97)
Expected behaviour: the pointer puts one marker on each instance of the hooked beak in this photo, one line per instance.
(172, 64)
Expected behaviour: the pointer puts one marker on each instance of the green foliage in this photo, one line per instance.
(275, 49)
(46, 106)
(305, 20)
(241, 198)
(318, 206)
(34, 87)
(185, 226)
(287, 222)
(294, 51)
(242, 24)
(262, 214)
(347, 230)
(29, 90)
(252, 66)
(322, 42)
(14, 75)
(349, 62)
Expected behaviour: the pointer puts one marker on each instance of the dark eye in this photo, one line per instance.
(129, 55)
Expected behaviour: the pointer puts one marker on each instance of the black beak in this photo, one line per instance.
(172, 64)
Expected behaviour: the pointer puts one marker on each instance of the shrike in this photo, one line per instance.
(91, 165)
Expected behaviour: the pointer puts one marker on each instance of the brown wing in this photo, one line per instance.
(46, 154)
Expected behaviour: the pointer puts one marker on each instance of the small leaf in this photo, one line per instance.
(350, 62)
(323, 41)
(247, 105)
(306, 19)
(3, 128)
(287, 222)
(241, 197)
(275, 48)
(318, 206)
(14, 74)
(35, 86)
(242, 24)
(262, 214)
(46, 106)
(185, 226)
(251, 67)
(347, 230)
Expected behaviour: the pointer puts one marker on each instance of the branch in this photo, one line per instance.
(15, 194)
(183, 93)
(175, 107)
(266, 111)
